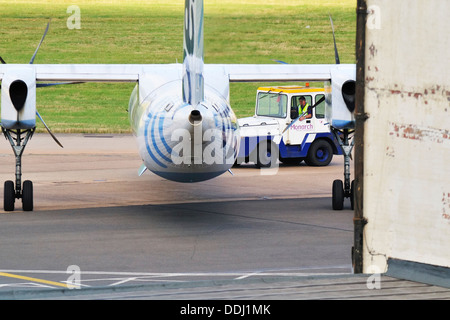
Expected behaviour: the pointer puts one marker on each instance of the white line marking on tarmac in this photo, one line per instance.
(119, 278)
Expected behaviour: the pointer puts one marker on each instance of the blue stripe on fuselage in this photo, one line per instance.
(161, 134)
(159, 163)
(155, 145)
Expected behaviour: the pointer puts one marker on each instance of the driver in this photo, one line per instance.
(304, 107)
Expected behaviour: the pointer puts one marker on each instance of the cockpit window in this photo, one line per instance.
(271, 104)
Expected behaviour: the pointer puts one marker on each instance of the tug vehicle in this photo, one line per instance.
(278, 131)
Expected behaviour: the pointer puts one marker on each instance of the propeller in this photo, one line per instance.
(43, 85)
(40, 85)
(303, 114)
(37, 49)
(348, 87)
(39, 45)
(3, 62)
(336, 55)
(279, 61)
(48, 130)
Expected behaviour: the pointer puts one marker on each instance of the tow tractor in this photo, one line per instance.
(276, 133)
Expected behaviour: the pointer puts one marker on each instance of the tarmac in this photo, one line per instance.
(256, 234)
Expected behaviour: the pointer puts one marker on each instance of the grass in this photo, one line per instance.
(112, 31)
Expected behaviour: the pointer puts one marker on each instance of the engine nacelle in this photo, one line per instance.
(340, 97)
(18, 101)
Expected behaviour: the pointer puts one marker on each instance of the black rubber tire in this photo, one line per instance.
(266, 154)
(9, 196)
(352, 194)
(27, 196)
(338, 195)
(291, 161)
(319, 154)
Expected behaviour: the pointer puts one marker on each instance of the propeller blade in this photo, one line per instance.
(42, 40)
(279, 61)
(48, 129)
(303, 114)
(3, 62)
(336, 55)
(42, 85)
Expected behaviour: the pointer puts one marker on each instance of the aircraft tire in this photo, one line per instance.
(352, 194)
(338, 195)
(27, 196)
(9, 196)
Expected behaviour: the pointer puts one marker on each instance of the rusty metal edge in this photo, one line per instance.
(360, 117)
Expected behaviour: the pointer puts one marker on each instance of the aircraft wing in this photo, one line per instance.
(276, 72)
(133, 72)
(96, 72)
(152, 76)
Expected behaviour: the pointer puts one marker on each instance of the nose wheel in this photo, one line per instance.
(18, 140)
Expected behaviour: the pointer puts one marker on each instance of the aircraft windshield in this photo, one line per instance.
(272, 104)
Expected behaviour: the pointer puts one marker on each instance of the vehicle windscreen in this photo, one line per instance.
(271, 105)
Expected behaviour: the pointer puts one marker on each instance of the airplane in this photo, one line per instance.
(179, 113)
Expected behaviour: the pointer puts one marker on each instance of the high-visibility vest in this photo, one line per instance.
(304, 109)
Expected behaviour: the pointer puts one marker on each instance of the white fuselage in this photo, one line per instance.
(181, 142)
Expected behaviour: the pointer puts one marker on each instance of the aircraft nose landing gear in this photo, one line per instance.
(19, 191)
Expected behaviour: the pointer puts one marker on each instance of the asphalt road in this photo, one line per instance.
(97, 222)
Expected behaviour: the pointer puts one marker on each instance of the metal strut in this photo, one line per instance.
(345, 190)
(18, 140)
